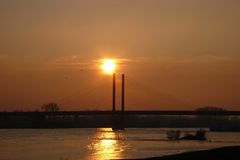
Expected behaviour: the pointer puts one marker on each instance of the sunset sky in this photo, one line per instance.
(176, 54)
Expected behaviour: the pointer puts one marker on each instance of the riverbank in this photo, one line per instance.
(224, 153)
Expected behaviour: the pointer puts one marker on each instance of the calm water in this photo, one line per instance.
(77, 144)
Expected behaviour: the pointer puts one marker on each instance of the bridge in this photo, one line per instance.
(120, 119)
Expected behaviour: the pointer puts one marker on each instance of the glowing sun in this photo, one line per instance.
(108, 66)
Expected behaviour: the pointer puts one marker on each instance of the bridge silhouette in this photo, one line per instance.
(120, 120)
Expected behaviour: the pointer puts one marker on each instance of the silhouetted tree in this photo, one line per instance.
(50, 107)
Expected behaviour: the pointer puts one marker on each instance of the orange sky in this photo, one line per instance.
(176, 54)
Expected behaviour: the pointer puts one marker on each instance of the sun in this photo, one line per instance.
(108, 66)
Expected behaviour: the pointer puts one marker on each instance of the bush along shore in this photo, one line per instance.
(176, 135)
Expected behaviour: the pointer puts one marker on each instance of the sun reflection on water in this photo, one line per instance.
(107, 144)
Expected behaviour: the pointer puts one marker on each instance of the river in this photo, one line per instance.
(101, 143)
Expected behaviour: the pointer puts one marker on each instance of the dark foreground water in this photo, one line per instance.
(78, 144)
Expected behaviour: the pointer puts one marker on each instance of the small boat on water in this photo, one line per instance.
(118, 127)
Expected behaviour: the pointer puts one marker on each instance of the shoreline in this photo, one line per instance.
(223, 153)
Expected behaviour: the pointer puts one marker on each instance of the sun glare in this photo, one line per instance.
(108, 66)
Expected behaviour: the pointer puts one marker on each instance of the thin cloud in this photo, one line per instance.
(76, 62)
